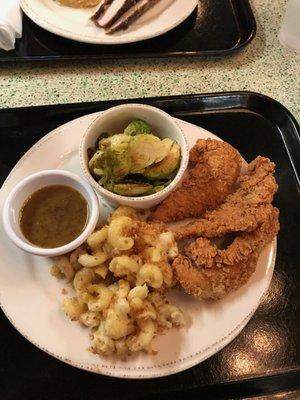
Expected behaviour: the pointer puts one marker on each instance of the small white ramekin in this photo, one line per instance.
(34, 182)
(116, 119)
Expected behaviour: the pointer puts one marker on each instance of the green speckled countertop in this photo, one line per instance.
(264, 66)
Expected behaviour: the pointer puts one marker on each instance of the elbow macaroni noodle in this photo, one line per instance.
(116, 233)
(120, 278)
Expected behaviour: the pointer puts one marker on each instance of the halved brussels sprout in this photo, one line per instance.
(165, 167)
(118, 141)
(131, 188)
(117, 163)
(155, 189)
(143, 151)
(164, 150)
(112, 161)
(136, 127)
(117, 158)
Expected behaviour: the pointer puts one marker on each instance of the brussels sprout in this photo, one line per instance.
(98, 171)
(118, 141)
(117, 163)
(155, 189)
(164, 149)
(136, 127)
(143, 150)
(131, 188)
(112, 161)
(162, 182)
(165, 167)
(158, 186)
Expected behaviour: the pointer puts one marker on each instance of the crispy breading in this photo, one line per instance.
(145, 234)
(214, 169)
(243, 210)
(209, 273)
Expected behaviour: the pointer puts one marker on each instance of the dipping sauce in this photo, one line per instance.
(53, 216)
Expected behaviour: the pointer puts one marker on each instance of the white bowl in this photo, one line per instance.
(31, 184)
(116, 119)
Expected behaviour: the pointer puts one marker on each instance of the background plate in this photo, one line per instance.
(75, 24)
(214, 28)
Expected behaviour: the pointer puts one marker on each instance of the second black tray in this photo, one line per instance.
(217, 27)
(265, 357)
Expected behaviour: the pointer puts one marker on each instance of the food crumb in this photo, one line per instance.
(64, 291)
(56, 272)
(154, 352)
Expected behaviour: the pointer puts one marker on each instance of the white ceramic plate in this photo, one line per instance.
(75, 24)
(31, 297)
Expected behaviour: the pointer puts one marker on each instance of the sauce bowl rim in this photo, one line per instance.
(92, 219)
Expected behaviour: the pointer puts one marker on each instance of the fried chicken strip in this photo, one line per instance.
(209, 273)
(243, 210)
(215, 167)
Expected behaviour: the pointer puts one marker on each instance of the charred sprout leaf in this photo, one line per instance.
(104, 144)
(97, 163)
(163, 182)
(131, 188)
(143, 151)
(103, 135)
(107, 184)
(159, 185)
(136, 127)
(166, 167)
(117, 158)
(118, 163)
(97, 159)
(158, 188)
(98, 171)
(155, 189)
(112, 162)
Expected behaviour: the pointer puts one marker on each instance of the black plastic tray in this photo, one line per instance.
(219, 28)
(265, 357)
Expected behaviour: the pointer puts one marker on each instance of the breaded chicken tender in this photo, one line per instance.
(214, 169)
(243, 210)
(206, 272)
